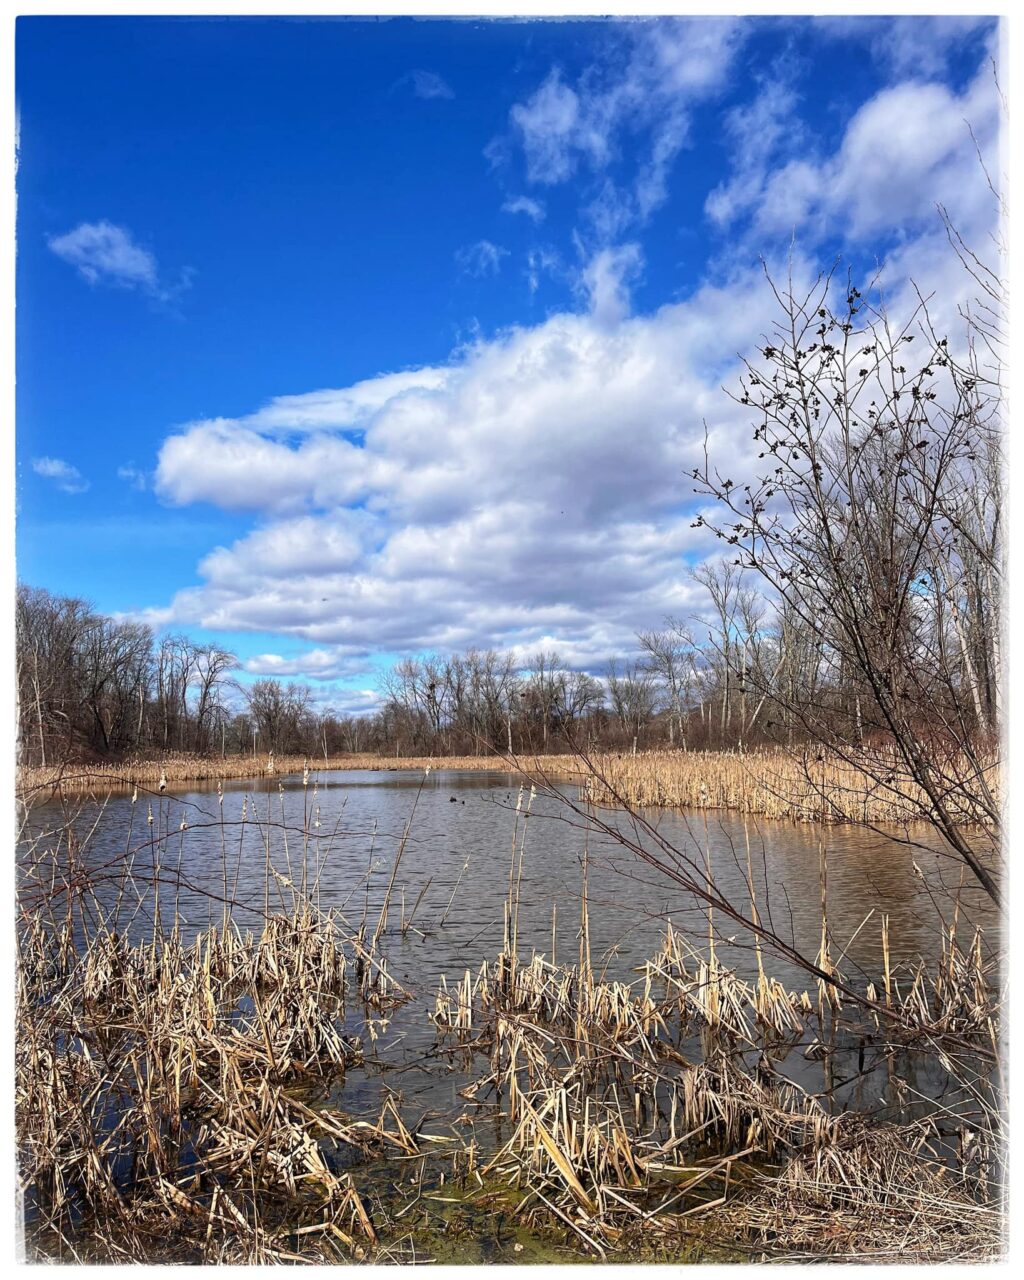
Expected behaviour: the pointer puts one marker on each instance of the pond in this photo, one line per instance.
(453, 835)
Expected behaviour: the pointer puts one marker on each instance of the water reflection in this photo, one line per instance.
(453, 835)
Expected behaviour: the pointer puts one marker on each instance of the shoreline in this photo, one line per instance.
(77, 777)
(770, 783)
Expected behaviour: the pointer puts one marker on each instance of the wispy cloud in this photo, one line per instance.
(104, 253)
(614, 132)
(533, 209)
(917, 46)
(481, 259)
(605, 282)
(541, 261)
(425, 84)
(633, 101)
(133, 476)
(66, 477)
(911, 146)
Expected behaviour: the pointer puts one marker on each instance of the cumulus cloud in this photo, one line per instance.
(913, 145)
(66, 477)
(532, 487)
(532, 490)
(103, 253)
(316, 664)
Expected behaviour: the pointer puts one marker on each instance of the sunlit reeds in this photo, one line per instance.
(806, 786)
(180, 1091)
(176, 770)
(644, 1105)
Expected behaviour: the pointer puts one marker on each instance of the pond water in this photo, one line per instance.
(454, 833)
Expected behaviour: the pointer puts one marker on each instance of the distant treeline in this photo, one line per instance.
(751, 673)
(94, 687)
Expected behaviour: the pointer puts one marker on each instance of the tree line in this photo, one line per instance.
(94, 687)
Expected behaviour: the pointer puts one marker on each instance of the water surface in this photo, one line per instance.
(453, 835)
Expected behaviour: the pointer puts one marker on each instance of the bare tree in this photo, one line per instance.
(860, 526)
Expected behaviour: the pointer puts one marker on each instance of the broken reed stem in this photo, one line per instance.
(454, 892)
(382, 919)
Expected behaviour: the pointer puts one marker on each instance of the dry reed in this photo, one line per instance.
(176, 770)
(166, 1091)
(808, 787)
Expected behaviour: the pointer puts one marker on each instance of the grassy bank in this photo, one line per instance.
(807, 786)
(177, 770)
(772, 784)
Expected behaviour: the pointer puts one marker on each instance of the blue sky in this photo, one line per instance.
(342, 339)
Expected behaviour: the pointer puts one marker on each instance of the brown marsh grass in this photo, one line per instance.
(170, 1094)
(805, 786)
(618, 1131)
(177, 770)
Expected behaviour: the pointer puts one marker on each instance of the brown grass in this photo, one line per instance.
(772, 783)
(775, 784)
(585, 1068)
(177, 770)
(165, 1091)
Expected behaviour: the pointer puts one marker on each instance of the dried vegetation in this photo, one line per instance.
(177, 1090)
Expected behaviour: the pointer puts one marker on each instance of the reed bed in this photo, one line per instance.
(158, 1092)
(174, 771)
(164, 1074)
(805, 786)
(654, 1106)
(178, 1094)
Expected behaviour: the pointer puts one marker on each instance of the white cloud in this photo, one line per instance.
(318, 664)
(533, 487)
(534, 209)
(231, 466)
(917, 46)
(605, 282)
(905, 150)
(131, 475)
(758, 131)
(104, 253)
(616, 132)
(346, 410)
(634, 102)
(551, 131)
(540, 261)
(531, 490)
(481, 259)
(66, 477)
(299, 546)
(428, 84)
